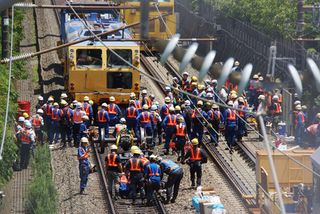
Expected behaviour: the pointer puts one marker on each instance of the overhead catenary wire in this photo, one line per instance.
(4, 131)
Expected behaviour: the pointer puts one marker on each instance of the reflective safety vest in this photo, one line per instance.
(86, 108)
(112, 109)
(36, 121)
(112, 160)
(123, 179)
(135, 165)
(155, 120)
(101, 117)
(241, 113)
(56, 114)
(280, 98)
(300, 113)
(166, 112)
(195, 155)
(172, 120)
(145, 161)
(231, 115)
(85, 156)
(148, 101)
(137, 105)
(278, 108)
(146, 117)
(151, 173)
(213, 115)
(195, 113)
(77, 116)
(25, 136)
(48, 109)
(181, 131)
(131, 112)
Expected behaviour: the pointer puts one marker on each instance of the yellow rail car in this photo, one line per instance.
(157, 29)
(94, 71)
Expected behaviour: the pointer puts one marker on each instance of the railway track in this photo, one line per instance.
(239, 167)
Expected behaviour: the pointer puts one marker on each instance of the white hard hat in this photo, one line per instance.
(209, 89)
(85, 117)
(230, 103)
(74, 102)
(50, 99)
(209, 95)
(113, 147)
(187, 103)
(27, 124)
(112, 99)
(214, 81)
(122, 120)
(79, 105)
(84, 140)
(132, 95)
(40, 111)
(86, 98)
(297, 102)
(153, 157)
(275, 97)
(40, 98)
(185, 73)
(167, 88)
(171, 109)
(154, 107)
(64, 95)
(298, 107)
(207, 81)
(144, 91)
(21, 119)
(175, 78)
(261, 97)
(255, 76)
(104, 105)
(200, 102)
(237, 63)
(260, 78)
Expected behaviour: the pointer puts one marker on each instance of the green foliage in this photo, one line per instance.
(42, 195)
(270, 16)
(18, 72)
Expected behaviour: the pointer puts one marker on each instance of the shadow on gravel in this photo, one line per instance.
(55, 80)
(56, 67)
(49, 35)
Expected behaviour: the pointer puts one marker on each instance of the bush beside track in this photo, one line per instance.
(42, 194)
(18, 72)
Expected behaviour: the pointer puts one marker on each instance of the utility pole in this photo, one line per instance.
(144, 33)
(300, 25)
(5, 33)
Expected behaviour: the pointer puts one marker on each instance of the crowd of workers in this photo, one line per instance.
(181, 123)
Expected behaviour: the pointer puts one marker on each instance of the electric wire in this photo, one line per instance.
(9, 86)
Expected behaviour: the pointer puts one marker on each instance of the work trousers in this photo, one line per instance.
(54, 131)
(173, 183)
(198, 132)
(241, 129)
(76, 134)
(169, 133)
(39, 134)
(299, 131)
(195, 168)
(84, 169)
(113, 182)
(132, 126)
(214, 133)
(66, 133)
(136, 183)
(230, 134)
(24, 155)
(180, 142)
(151, 187)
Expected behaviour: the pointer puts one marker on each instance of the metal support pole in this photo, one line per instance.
(145, 8)
(5, 33)
(300, 24)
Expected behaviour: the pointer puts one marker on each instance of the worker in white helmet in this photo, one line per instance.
(300, 122)
(87, 108)
(145, 98)
(236, 67)
(66, 124)
(146, 124)
(169, 123)
(231, 121)
(27, 139)
(40, 103)
(84, 163)
(157, 125)
(114, 111)
(37, 124)
(103, 120)
(164, 111)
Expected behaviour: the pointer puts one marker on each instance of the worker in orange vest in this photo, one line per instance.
(135, 167)
(37, 124)
(77, 121)
(86, 107)
(146, 123)
(153, 175)
(84, 163)
(180, 137)
(113, 168)
(145, 98)
(27, 139)
(169, 123)
(231, 121)
(195, 157)
(131, 117)
(114, 111)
